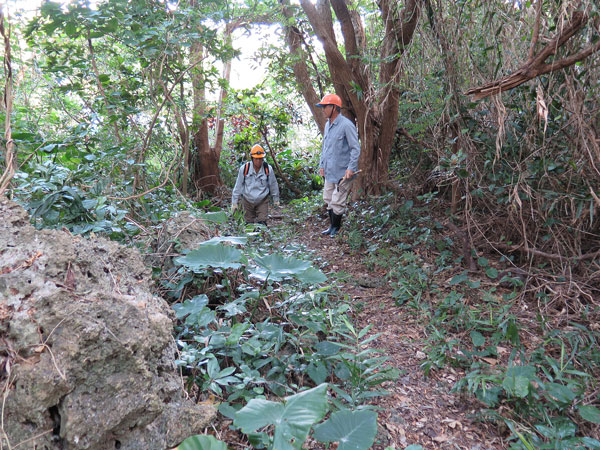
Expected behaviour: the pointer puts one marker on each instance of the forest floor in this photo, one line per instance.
(419, 409)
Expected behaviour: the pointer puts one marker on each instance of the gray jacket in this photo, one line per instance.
(340, 149)
(255, 187)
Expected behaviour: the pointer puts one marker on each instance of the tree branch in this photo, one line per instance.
(294, 41)
(535, 66)
(536, 30)
(399, 33)
(341, 72)
(353, 56)
(293, 188)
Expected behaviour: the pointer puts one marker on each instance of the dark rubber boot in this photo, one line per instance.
(328, 230)
(336, 224)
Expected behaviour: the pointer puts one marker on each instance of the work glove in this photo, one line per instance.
(234, 207)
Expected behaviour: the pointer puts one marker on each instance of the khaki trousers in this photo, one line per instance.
(336, 195)
(256, 213)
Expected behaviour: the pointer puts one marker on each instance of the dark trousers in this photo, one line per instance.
(256, 213)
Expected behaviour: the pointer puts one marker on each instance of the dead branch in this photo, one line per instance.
(403, 132)
(596, 198)
(536, 66)
(552, 256)
(536, 29)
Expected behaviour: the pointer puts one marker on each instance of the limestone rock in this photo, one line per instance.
(86, 350)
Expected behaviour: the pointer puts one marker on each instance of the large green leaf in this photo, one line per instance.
(477, 338)
(292, 418)
(327, 348)
(211, 255)
(317, 372)
(277, 267)
(590, 413)
(192, 307)
(215, 217)
(307, 407)
(202, 442)
(560, 428)
(258, 413)
(241, 240)
(560, 393)
(354, 430)
(311, 276)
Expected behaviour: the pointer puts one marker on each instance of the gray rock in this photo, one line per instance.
(86, 349)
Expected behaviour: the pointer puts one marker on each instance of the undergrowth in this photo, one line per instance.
(264, 335)
(533, 374)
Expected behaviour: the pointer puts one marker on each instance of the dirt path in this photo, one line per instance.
(420, 410)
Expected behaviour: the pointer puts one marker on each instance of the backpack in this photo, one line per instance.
(249, 163)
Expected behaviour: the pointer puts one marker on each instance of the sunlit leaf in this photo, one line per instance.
(202, 442)
(311, 276)
(215, 217)
(517, 380)
(213, 255)
(292, 418)
(327, 348)
(458, 279)
(277, 267)
(236, 240)
(492, 272)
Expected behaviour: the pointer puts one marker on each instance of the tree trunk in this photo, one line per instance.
(374, 109)
(205, 161)
(220, 121)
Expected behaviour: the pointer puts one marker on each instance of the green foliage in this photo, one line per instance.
(233, 347)
(51, 196)
(356, 365)
(211, 255)
(278, 267)
(542, 391)
(200, 442)
(354, 430)
(293, 418)
(271, 118)
(95, 115)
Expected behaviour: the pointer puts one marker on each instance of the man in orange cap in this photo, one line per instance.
(339, 160)
(255, 182)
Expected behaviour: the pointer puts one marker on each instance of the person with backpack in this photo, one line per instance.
(339, 160)
(255, 183)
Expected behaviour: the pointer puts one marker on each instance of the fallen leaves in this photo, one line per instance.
(452, 423)
(420, 409)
